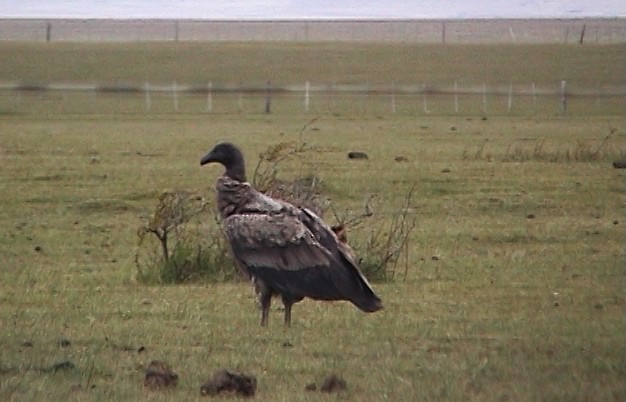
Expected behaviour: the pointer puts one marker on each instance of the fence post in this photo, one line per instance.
(582, 34)
(456, 98)
(534, 95)
(48, 31)
(424, 101)
(268, 98)
(209, 97)
(563, 97)
(175, 96)
(443, 32)
(240, 98)
(513, 38)
(148, 100)
(306, 96)
(393, 98)
(364, 98)
(484, 98)
(510, 103)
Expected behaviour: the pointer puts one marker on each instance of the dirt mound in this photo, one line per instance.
(357, 155)
(224, 381)
(332, 383)
(619, 164)
(160, 375)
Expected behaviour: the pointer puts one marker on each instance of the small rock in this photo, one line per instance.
(27, 344)
(38, 249)
(64, 343)
(598, 306)
(141, 349)
(311, 387)
(445, 170)
(401, 158)
(530, 216)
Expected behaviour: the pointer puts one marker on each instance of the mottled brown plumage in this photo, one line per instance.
(287, 250)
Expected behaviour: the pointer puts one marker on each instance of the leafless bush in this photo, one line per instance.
(182, 242)
(538, 150)
(306, 189)
(382, 242)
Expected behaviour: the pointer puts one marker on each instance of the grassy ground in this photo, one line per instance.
(514, 288)
(294, 63)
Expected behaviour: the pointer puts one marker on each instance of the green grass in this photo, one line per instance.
(514, 286)
(292, 63)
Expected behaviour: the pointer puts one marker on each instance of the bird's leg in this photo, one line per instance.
(265, 298)
(288, 303)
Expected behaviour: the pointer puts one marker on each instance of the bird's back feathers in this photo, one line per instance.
(291, 249)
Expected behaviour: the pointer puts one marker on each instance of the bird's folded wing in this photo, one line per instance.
(326, 237)
(276, 241)
(330, 242)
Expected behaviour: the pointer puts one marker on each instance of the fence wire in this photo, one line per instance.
(480, 99)
(587, 30)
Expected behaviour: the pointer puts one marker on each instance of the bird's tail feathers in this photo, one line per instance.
(369, 304)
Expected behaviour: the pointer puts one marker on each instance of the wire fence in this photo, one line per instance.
(419, 99)
(587, 30)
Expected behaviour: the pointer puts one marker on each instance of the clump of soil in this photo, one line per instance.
(64, 365)
(357, 155)
(332, 383)
(160, 375)
(224, 381)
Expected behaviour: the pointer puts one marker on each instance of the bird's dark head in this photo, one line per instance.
(230, 157)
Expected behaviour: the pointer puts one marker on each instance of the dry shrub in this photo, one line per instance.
(538, 151)
(183, 242)
(303, 191)
(381, 242)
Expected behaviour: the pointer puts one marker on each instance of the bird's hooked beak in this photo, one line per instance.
(208, 158)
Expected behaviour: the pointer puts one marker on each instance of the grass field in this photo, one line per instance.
(515, 281)
(291, 63)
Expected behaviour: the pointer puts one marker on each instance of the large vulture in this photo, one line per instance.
(288, 251)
